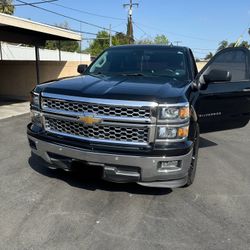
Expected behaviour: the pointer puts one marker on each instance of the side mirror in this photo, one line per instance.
(82, 68)
(217, 75)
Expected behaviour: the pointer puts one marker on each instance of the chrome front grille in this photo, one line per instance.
(97, 109)
(100, 120)
(100, 132)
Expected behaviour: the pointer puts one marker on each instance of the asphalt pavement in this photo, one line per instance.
(47, 209)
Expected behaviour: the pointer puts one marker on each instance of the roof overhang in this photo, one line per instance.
(18, 30)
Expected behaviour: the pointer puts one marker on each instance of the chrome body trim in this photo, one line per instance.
(139, 104)
(103, 117)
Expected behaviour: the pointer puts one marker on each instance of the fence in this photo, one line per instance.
(20, 53)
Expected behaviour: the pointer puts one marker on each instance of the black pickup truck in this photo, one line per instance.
(137, 112)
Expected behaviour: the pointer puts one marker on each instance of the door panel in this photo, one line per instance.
(225, 105)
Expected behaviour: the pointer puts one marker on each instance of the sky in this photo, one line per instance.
(200, 25)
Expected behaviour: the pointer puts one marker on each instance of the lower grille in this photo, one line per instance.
(112, 133)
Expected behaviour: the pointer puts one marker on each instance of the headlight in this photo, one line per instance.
(172, 133)
(174, 113)
(35, 100)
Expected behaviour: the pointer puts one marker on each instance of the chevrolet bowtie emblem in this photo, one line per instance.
(89, 120)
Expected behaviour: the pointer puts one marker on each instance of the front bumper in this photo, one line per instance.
(142, 169)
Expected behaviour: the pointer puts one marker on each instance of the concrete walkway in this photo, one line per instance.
(10, 110)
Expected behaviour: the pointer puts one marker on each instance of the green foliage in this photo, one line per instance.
(245, 44)
(161, 39)
(120, 39)
(99, 44)
(222, 45)
(102, 42)
(7, 7)
(145, 41)
(225, 44)
(208, 56)
(70, 46)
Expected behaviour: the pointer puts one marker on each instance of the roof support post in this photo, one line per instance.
(37, 65)
(1, 52)
(59, 49)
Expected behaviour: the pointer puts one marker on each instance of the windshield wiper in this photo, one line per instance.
(97, 74)
(133, 74)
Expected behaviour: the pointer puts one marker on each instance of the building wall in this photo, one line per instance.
(201, 64)
(18, 78)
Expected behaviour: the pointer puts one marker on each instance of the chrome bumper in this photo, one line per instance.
(147, 176)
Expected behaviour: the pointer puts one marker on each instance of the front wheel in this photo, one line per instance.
(193, 165)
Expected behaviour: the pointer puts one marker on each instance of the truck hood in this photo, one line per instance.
(118, 87)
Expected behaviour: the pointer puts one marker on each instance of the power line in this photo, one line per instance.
(35, 3)
(144, 32)
(87, 12)
(177, 34)
(65, 16)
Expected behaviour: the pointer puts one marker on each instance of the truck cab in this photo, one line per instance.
(138, 110)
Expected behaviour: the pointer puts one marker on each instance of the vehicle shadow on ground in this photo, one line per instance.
(89, 178)
(204, 143)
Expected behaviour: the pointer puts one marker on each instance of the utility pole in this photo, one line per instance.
(178, 42)
(130, 20)
(110, 36)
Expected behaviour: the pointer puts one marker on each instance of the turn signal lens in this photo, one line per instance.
(184, 112)
(183, 132)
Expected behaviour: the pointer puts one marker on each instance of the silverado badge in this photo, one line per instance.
(89, 120)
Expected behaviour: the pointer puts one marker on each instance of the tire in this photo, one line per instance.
(193, 165)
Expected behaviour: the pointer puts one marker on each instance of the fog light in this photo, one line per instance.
(168, 166)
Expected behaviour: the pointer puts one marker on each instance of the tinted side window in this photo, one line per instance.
(234, 61)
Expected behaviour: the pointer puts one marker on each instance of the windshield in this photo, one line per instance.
(162, 62)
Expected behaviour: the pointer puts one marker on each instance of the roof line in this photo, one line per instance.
(75, 34)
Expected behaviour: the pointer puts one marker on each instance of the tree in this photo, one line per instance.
(7, 7)
(231, 45)
(244, 44)
(145, 41)
(161, 39)
(222, 45)
(102, 42)
(70, 46)
(99, 44)
(208, 56)
(120, 39)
